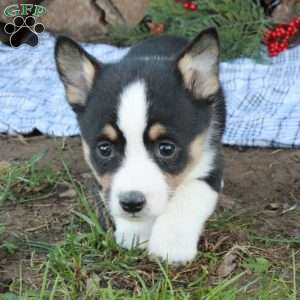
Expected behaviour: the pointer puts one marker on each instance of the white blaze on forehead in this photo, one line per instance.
(132, 114)
(138, 171)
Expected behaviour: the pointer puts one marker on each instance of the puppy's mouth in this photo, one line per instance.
(135, 216)
(132, 216)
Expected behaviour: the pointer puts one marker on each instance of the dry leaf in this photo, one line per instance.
(70, 193)
(228, 265)
(92, 283)
(288, 209)
(4, 165)
(272, 206)
(229, 262)
(226, 201)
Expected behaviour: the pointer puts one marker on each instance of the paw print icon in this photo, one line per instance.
(24, 31)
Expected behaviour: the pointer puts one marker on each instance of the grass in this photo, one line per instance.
(21, 181)
(87, 263)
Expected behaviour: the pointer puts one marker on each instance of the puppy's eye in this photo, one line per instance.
(166, 149)
(105, 149)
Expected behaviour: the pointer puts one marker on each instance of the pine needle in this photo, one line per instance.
(240, 23)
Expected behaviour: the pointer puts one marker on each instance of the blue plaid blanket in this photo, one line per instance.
(263, 99)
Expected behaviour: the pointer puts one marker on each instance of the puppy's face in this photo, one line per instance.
(145, 125)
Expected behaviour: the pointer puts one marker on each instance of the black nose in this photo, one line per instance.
(132, 202)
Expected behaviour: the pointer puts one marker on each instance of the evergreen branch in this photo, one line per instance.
(240, 23)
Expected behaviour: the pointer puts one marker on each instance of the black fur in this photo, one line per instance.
(170, 103)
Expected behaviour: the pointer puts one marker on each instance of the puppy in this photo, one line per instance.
(151, 128)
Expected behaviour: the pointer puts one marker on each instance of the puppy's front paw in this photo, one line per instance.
(132, 234)
(124, 240)
(129, 240)
(169, 242)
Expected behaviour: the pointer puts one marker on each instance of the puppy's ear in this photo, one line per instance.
(199, 64)
(77, 70)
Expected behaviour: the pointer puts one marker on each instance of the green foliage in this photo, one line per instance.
(22, 181)
(7, 247)
(240, 24)
(257, 265)
(89, 265)
(10, 296)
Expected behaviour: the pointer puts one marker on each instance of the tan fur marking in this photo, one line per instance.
(184, 66)
(204, 83)
(110, 133)
(89, 72)
(74, 95)
(210, 87)
(78, 87)
(196, 150)
(105, 180)
(156, 131)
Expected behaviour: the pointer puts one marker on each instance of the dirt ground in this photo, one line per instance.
(261, 184)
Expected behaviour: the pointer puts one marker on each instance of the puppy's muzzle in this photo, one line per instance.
(132, 202)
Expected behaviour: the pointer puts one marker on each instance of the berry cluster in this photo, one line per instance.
(188, 5)
(277, 39)
(156, 28)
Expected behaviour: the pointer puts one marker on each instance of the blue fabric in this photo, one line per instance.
(263, 99)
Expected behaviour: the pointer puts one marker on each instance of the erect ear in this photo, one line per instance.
(77, 70)
(199, 64)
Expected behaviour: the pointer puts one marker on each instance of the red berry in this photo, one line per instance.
(193, 6)
(267, 34)
(293, 23)
(187, 5)
(277, 39)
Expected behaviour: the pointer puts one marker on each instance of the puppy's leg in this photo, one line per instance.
(175, 234)
(131, 233)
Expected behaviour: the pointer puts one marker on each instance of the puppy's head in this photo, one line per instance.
(145, 123)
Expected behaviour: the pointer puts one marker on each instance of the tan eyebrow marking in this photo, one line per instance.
(196, 150)
(156, 131)
(109, 132)
(104, 180)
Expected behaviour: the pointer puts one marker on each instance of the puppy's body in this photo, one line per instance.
(151, 127)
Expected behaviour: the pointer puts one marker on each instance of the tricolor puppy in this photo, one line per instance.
(151, 127)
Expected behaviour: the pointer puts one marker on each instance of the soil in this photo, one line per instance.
(263, 185)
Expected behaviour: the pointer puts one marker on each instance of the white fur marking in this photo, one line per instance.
(169, 228)
(130, 233)
(132, 114)
(138, 171)
(175, 233)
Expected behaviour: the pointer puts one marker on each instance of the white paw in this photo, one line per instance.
(170, 243)
(130, 234)
(129, 240)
